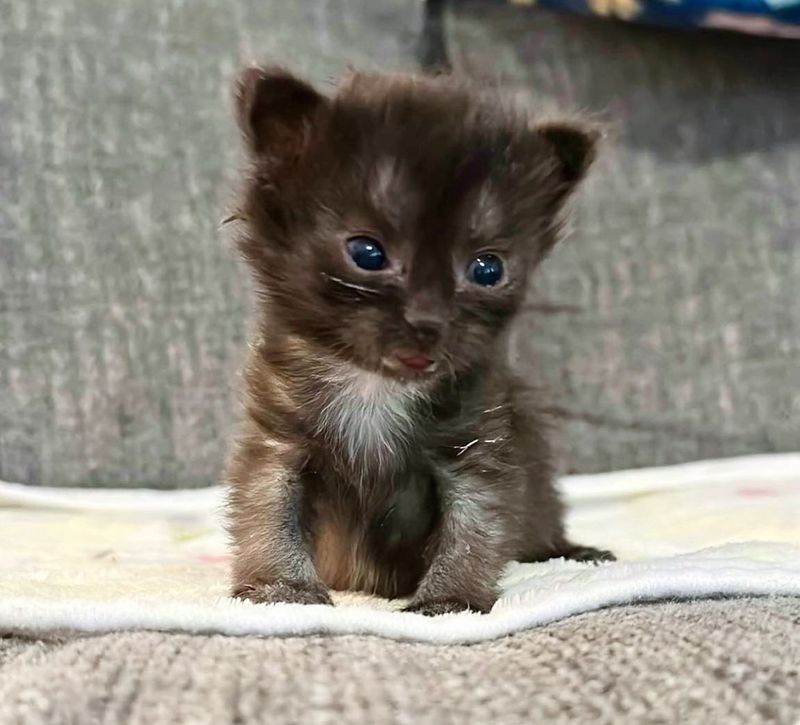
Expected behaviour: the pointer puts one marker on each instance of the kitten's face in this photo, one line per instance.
(395, 225)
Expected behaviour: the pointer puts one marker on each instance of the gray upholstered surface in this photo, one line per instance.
(121, 309)
(122, 313)
(705, 662)
(685, 261)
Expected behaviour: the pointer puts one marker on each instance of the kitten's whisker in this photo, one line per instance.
(351, 285)
(495, 409)
(463, 449)
(232, 218)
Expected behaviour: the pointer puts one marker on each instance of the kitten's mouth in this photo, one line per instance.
(409, 363)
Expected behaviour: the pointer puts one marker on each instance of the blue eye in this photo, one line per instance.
(486, 270)
(366, 253)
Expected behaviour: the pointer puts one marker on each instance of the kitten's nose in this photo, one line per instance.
(427, 326)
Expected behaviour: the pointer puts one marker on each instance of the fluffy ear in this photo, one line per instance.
(574, 147)
(277, 114)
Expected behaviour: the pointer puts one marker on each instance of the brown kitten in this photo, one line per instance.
(391, 229)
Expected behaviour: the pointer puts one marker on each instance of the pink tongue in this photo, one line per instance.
(415, 361)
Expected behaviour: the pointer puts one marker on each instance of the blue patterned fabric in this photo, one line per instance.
(761, 17)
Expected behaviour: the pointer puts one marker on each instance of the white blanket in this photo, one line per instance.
(97, 561)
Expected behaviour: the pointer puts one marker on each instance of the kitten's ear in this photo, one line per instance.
(574, 147)
(277, 113)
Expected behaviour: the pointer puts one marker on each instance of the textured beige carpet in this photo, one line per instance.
(703, 662)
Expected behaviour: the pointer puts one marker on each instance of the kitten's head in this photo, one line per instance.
(394, 223)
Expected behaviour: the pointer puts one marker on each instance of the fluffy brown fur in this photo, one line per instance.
(354, 470)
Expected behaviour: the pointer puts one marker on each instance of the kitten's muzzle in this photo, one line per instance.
(424, 330)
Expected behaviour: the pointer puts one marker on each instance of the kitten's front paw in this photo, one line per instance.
(285, 592)
(588, 553)
(444, 606)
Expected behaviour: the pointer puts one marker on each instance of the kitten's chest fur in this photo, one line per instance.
(372, 496)
(369, 423)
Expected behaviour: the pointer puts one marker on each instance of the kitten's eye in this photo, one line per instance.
(486, 270)
(366, 253)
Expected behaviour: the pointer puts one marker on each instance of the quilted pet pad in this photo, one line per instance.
(96, 561)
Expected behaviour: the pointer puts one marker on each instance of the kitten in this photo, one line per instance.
(391, 229)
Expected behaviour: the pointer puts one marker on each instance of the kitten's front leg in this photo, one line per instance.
(272, 562)
(470, 547)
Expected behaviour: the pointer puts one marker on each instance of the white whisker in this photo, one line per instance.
(351, 285)
(466, 446)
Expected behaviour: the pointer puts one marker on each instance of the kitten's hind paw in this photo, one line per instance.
(443, 606)
(285, 592)
(576, 552)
